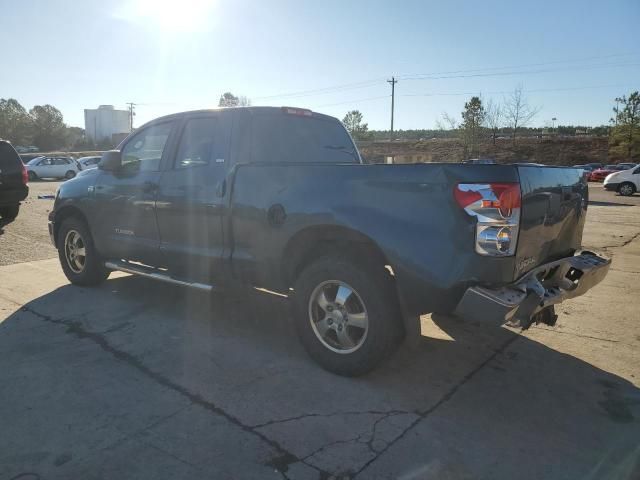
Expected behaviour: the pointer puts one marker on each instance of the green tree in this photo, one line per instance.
(15, 124)
(48, 129)
(473, 117)
(353, 123)
(625, 135)
(228, 99)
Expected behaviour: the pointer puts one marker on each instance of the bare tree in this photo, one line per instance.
(518, 112)
(494, 118)
(447, 122)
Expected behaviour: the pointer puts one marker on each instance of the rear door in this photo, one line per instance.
(191, 203)
(62, 166)
(554, 207)
(45, 168)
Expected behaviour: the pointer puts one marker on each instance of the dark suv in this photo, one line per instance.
(13, 182)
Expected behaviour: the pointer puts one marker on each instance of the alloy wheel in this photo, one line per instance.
(338, 316)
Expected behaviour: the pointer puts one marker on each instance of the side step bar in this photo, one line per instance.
(154, 274)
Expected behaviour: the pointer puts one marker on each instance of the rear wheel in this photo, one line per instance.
(79, 258)
(10, 212)
(70, 174)
(346, 315)
(626, 189)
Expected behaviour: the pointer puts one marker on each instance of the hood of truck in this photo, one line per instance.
(554, 207)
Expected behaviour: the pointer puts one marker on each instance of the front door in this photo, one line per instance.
(190, 202)
(126, 215)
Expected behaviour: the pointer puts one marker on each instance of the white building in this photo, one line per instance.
(104, 122)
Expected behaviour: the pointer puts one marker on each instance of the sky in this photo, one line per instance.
(571, 58)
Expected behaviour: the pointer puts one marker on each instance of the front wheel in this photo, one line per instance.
(70, 174)
(79, 258)
(32, 176)
(626, 189)
(346, 315)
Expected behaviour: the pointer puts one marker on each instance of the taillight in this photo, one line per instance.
(497, 209)
(25, 175)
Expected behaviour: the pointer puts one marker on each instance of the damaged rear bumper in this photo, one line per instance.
(542, 287)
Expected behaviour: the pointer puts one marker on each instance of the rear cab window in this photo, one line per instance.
(293, 138)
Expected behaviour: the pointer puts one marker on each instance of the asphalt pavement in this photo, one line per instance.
(142, 380)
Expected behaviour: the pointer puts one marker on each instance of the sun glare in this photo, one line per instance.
(169, 15)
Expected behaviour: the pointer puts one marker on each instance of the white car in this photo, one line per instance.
(52, 167)
(87, 163)
(625, 182)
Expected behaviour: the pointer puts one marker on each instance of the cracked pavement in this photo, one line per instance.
(138, 379)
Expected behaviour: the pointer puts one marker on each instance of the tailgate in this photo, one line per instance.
(554, 207)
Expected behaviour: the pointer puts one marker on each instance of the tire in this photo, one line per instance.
(32, 176)
(626, 189)
(9, 212)
(70, 174)
(378, 332)
(86, 271)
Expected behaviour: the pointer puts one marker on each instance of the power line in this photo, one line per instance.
(504, 92)
(526, 65)
(523, 72)
(475, 72)
(358, 100)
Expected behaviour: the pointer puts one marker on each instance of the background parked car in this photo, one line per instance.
(87, 163)
(13, 183)
(52, 167)
(600, 174)
(626, 182)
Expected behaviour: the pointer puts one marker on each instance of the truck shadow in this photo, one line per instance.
(467, 392)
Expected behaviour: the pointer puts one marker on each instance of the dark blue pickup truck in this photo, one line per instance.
(279, 199)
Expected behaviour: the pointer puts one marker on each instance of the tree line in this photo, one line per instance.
(42, 126)
(481, 122)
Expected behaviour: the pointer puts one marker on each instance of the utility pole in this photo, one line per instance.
(393, 82)
(131, 114)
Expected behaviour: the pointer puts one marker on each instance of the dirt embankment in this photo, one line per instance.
(551, 151)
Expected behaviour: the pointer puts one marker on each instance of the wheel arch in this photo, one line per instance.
(65, 212)
(314, 242)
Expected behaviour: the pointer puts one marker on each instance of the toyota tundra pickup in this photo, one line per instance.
(280, 199)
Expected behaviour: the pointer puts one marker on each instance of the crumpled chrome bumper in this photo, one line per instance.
(542, 287)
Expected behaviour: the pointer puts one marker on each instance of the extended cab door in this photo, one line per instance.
(126, 216)
(191, 199)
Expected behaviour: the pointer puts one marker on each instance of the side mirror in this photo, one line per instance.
(111, 161)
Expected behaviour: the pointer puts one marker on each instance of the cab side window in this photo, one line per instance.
(144, 151)
(198, 143)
